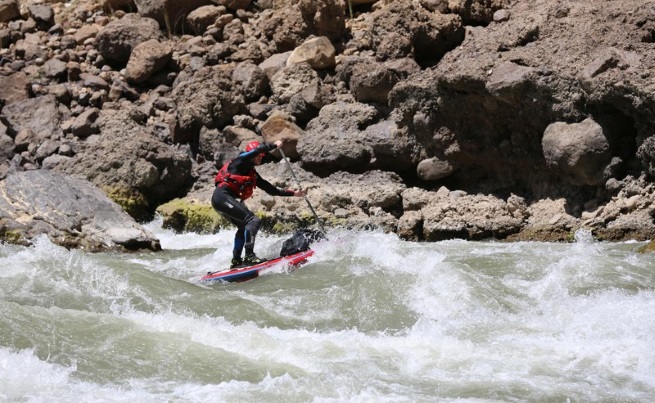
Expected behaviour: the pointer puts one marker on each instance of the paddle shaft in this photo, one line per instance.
(300, 188)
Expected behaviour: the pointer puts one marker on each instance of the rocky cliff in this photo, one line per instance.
(432, 119)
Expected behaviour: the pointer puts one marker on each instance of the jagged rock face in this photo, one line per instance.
(208, 99)
(128, 161)
(487, 104)
(71, 212)
(647, 154)
(487, 118)
(291, 22)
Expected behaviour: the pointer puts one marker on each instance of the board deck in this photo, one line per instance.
(248, 273)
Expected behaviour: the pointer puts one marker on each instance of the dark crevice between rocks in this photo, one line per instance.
(648, 36)
(427, 55)
(355, 10)
(621, 134)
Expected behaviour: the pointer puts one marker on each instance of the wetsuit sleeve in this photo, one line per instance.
(261, 148)
(268, 187)
(243, 164)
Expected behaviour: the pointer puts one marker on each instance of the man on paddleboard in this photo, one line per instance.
(235, 183)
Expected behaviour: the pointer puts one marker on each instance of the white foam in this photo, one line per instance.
(372, 318)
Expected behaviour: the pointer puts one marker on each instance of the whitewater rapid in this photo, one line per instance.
(370, 318)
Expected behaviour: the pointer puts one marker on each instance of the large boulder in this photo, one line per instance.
(40, 115)
(578, 151)
(71, 212)
(146, 59)
(330, 141)
(117, 39)
(291, 22)
(14, 88)
(9, 10)
(445, 214)
(400, 29)
(279, 127)
(351, 137)
(42, 14)
(433, 168)
(204, 17)
(292, 80)
(130, 163)
(210, 99)
(371, 82)
(251, 79)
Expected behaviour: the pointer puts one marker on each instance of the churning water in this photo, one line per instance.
(369, 318)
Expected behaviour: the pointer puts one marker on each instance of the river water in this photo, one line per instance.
(370, 318)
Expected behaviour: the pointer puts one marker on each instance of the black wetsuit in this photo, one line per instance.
(226, 203)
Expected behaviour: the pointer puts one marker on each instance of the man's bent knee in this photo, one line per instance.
(253, 223)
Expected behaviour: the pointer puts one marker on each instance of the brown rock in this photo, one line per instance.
(279, 127)
(94, 82)
(433, 169)
(9, 10)
(203, 17)
(579, 151)
(146, 59)
(85, 124)
(85, 32)
(274, 63)
(252, 79)
(55, 69)
(42, 14)
(15, 88)
(116, 41)
(317, 52)
(41, 115)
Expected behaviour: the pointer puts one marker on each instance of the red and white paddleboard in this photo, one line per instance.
(249, 272)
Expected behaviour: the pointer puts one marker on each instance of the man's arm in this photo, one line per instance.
(268, 187)
(261, 148)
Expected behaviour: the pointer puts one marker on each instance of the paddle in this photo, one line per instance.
(300, 187)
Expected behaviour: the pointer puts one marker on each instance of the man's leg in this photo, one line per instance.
(236, 212)
(239, 241)
(252, 227)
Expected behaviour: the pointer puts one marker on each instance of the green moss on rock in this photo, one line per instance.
(648, 248)
(185, 216)
(11, 236)
(132, 201)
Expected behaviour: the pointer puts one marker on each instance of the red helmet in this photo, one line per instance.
(252, 145)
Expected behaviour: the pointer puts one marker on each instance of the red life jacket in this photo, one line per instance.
(240, 185)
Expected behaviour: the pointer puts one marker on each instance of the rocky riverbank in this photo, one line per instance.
(431, 119)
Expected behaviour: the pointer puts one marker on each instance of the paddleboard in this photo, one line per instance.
(249, 272)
